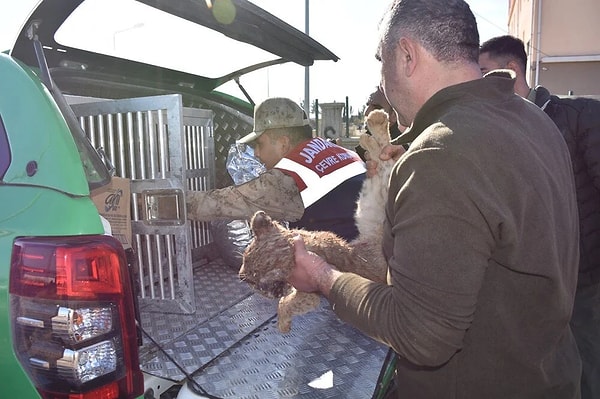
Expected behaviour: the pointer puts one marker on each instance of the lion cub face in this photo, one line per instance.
(269, 258)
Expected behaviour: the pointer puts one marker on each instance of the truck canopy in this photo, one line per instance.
(82, 38)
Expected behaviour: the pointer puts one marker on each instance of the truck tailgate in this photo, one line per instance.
(232, 348)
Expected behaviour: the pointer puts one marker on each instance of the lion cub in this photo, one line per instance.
(269, 258)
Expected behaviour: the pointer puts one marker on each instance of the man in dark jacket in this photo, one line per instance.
(578, 119)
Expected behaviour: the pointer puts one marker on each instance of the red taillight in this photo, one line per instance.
(73, 317)
(86, 272)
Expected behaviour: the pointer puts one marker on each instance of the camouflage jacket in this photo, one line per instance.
(273, 192)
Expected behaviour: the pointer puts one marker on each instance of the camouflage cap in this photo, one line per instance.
(273, 113)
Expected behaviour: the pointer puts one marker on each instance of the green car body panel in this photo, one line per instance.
(44, 191)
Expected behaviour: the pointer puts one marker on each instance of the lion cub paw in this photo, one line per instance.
(296, 303)
(379, 125)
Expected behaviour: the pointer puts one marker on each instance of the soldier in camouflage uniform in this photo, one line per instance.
(310, 182)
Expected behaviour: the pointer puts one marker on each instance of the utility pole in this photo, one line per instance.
(307, 68)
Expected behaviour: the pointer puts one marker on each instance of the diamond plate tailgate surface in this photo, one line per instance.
(232, 348)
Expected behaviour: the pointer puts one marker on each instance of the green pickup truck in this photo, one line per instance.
(82, 316)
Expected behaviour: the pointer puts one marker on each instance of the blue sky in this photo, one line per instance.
(346, 27)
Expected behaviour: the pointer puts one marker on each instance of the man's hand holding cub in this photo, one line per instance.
(390, 151)
(311, 273)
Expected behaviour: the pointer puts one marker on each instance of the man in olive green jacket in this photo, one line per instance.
(481, 231)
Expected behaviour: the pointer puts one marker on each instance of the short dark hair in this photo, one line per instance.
(506, 47)
(445, 28)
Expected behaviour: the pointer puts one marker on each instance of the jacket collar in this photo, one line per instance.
(491, 87)
(540, 96)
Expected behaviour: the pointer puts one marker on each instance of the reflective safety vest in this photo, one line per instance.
(329, 178)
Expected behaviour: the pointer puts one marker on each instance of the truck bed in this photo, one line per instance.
(231, 346)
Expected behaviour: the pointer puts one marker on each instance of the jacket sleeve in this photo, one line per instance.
(272, 192)
(588, 126)
(440, 249)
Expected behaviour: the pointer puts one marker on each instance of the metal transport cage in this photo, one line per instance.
(158, 144)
